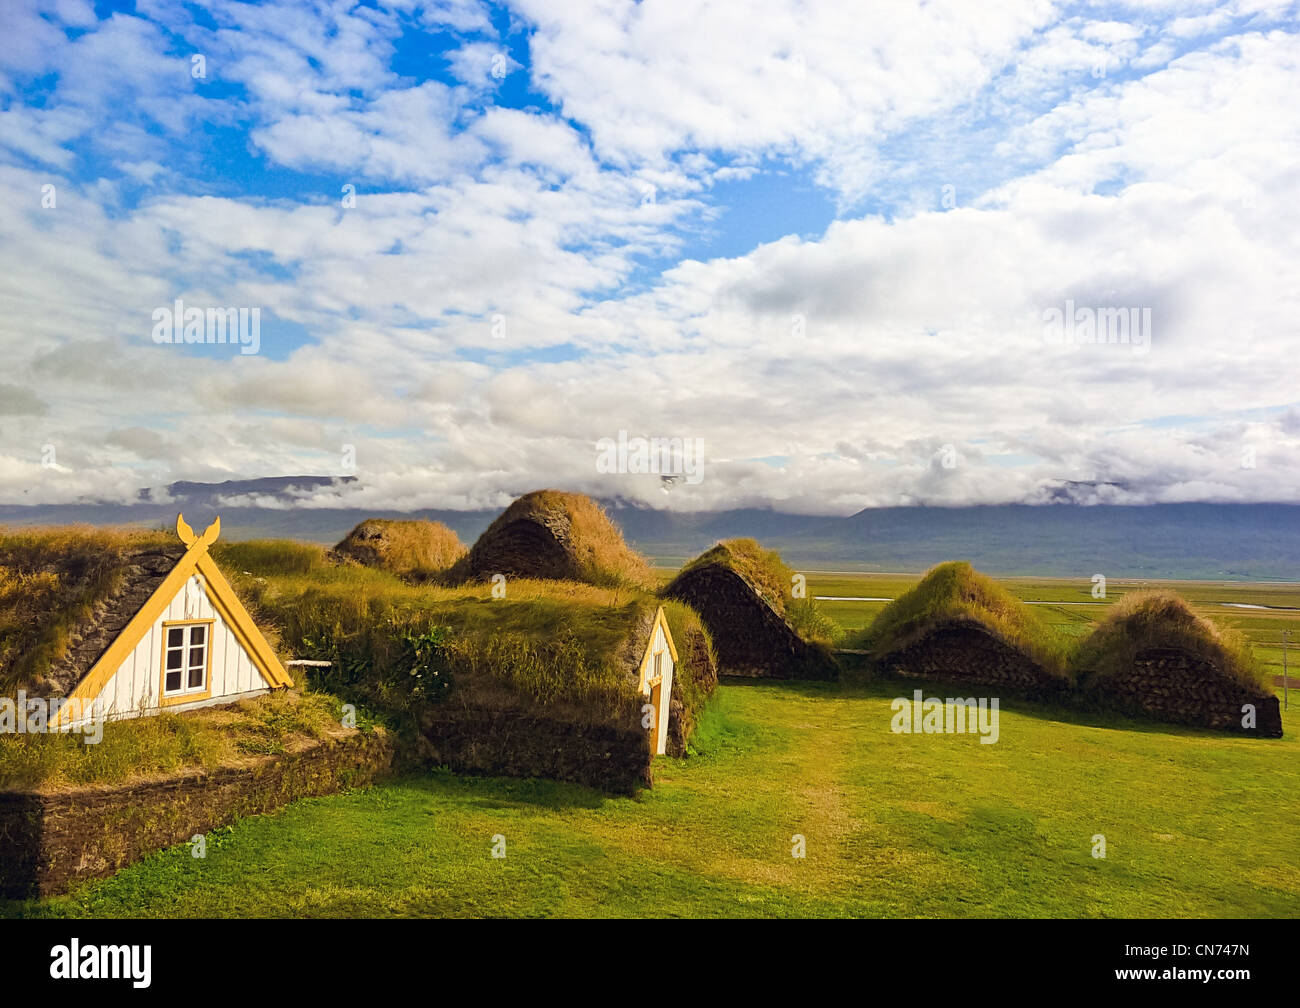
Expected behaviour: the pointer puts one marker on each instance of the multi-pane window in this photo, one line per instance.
(185, 668)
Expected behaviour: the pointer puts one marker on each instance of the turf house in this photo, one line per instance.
(122, 633)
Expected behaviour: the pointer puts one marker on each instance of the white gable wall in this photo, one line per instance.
(135, 687)
(660, 644)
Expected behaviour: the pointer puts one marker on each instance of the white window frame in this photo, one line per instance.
(186, 648)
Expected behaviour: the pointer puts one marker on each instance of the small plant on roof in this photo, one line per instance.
(425, 669)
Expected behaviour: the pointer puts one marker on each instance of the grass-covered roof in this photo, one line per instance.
(566, 646)
(563, 649)
(769, 577)
(956, 593)
(1152, 620)
(159, 746)
(57, 584)
(418, 549)
(764, 569)
(555, 535)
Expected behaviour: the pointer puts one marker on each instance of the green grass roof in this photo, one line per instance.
(1142, 621)
(956, 592)
(566, 646)
(165, 744)
(772, 579)
(764, 569)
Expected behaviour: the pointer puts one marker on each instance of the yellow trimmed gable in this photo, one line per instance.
(224, 600)
(647, 660)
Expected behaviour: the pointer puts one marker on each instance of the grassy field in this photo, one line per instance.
(895, 825)
(1196, 824)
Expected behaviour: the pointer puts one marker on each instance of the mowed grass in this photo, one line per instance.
(1195, 825)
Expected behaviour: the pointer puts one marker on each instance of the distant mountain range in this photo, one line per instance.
(1259, 542)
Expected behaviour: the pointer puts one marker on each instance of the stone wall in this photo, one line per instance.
(513, 743)
(961, 652)
(692, 651)
(1163, 684)
(1172, 685)
(750, 637)
(49, 842)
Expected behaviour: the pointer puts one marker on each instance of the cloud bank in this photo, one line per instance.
(485, 238)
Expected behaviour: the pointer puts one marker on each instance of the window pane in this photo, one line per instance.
(196, 656)
(174, 659)
(196, 677)
(175, 636)
(197, 633)
(173, 681)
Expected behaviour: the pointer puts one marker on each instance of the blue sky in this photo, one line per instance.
(822, 243)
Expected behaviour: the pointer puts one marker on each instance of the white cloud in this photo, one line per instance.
(821, 83)
(822, 375)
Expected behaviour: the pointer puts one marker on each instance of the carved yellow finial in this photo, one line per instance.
(211, 532)
(189, 538)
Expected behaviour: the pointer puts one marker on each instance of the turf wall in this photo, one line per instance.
(50, 842)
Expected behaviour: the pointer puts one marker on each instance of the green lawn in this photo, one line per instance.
(1196, 825)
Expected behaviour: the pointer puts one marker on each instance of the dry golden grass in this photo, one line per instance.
(50, 580)
(595, 547)
(410, 549)
(598, 543)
